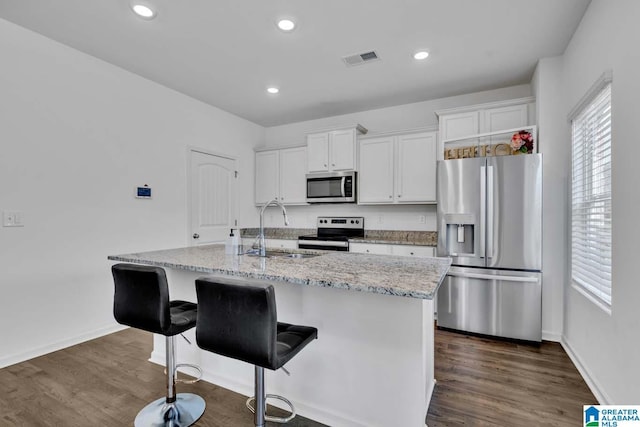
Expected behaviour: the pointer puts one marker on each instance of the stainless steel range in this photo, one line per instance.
(333, 233)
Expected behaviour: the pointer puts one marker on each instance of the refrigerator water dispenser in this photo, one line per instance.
(460, 234)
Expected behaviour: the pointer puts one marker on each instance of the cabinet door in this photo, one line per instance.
(318, 152)
(496, 119)
(459, 125)
(370, 248)
(342, 152)
(500, 118)
(267, 176)
(375, 179)
(293, 188)
(414, 251)
(416, 168)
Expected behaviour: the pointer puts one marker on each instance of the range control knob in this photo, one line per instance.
(351, 221)
(357, 221)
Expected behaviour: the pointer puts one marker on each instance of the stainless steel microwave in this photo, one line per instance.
(332, 187)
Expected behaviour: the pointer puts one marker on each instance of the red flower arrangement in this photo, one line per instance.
(522, 141)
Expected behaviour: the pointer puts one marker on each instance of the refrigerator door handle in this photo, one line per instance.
(495, 277)
(483, 207)
(489, 233)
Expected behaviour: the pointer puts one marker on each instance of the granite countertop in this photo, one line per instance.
(381, 274)
(386, 237)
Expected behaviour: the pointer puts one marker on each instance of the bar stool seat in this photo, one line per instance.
(141, 300)
(237, 318)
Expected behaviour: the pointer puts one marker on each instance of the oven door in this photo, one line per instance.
(335, 187)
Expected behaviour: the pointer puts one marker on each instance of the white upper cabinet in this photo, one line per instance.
(416, 168)
(280, 175)
(333, 150)
(267, 176)
(398, 169)
(342, 150)
(293, 182)
(459, 125)
(375, 178)
(464, 122)
(318, 152)
(500, 118)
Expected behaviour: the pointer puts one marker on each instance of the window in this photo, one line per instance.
(591, 194)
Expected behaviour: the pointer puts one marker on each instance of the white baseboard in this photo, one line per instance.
(596, 389)
(12, 359)
(551, 336)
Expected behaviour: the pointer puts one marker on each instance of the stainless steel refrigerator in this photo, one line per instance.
(490, 224)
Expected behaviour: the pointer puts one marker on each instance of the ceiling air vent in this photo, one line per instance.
(360, 58)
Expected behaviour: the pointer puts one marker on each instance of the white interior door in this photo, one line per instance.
(212, 203)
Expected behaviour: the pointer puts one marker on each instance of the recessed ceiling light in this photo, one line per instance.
(286, 25)
(144, 11)
(273, 90)
(423, 54)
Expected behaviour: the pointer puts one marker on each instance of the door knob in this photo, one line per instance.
(196, 236)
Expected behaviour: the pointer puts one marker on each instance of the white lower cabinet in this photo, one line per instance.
(416, 251)
(400, 250)
(370, 248)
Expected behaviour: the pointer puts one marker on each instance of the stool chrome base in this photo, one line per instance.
(185, 411)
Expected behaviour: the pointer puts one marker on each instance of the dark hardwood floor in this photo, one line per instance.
(105, 382)
(486, 382)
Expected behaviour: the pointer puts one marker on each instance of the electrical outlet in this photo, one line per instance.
(12, 219)
(422, 219)
(380, 219)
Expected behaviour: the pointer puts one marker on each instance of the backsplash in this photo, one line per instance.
(376, 217)
(426, 238)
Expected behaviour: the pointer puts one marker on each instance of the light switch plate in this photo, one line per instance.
(12, 219)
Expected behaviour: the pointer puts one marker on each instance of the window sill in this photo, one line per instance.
(597, 301)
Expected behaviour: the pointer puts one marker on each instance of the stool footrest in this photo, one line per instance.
(187, 365)
(280, 420)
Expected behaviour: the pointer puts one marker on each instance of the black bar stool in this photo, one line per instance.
(142, 301)
(237, 318)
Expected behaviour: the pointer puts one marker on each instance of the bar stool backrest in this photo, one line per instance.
(141, 297)
(237, 320)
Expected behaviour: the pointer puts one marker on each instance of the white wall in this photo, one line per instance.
(605, 347)
(408, 116)
(553, 143)
(77, 136)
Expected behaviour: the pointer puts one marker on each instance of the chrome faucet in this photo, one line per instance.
(273, 202)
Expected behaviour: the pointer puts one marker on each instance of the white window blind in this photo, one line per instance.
(591, 196)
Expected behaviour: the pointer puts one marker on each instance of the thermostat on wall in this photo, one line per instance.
(143, 192)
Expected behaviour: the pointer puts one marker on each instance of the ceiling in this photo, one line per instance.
(226, 52)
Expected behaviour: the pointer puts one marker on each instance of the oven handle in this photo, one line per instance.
(344, 179)
(323, 243)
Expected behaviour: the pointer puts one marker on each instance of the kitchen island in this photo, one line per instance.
(372, 364)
